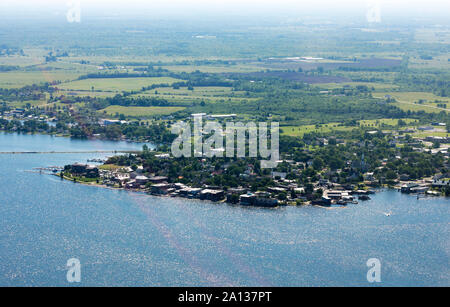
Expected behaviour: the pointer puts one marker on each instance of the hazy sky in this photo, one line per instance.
(236, 7)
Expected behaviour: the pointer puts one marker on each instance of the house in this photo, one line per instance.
(141, 180)
(157, 179)
(437, 139)
(253, 200)
(189, 192)
(404, 177)
(121, 177)
(414, 188)
(198, 115)
(238, 191)
(18, 112)
(212, 195)
(109, 122)
(247, 199)
(88, 171)
(406, 188)
(281, 175)
(441, 181)
(160, 188)
(163, 156)
(323, 182)
(132, 184)
(221, 116)
(369, 177)
(324, 201)
(438, 124)
(276, 190)
(179, 186)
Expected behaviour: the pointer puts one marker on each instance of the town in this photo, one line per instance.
(336, 172)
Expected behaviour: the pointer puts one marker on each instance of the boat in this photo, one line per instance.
(341, 202)
(363, 197)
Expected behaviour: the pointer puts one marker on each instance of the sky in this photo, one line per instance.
(401, 8)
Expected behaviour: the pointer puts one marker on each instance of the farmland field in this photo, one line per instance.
(17, 79)
(140, 111)
(116, 84)
(417, 101)
(299, 131)
(376, 86)
(213, 69)
(386, 121)
(212, 94)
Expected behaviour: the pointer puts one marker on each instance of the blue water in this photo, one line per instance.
(131, 239)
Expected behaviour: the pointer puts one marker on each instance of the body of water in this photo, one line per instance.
(131, 239)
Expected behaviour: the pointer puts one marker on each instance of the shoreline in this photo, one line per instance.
(92, 138)
(223, 201)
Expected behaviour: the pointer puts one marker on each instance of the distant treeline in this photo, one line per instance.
(8, 68)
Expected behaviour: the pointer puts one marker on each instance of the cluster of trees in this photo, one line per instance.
(156, 133)
(26, 93)
(29, 126)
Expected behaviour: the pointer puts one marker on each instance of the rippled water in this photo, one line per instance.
(131, 239)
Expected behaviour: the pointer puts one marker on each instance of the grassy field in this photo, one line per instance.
(198, 91)
(210, 94)
(370, 85)
(16, 79)
(214, 68)
(140, 111)
(109, 167)
(299, 131)
(68, 93)
(386, 121)
(116, 84)
(437, 62)
(409, 101)
(431, 133)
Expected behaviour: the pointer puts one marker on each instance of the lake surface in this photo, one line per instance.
(131, 239)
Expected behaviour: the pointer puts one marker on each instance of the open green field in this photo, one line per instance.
(410, 101)
(210, 94)
(16, 79)
(116, 84)
(20, 61)
(22, 104)
(437, 62)
(214, 68)
(386, 121)
(370, 85)
(198, 91)
(423, 134)
(84, 94)
(139, 111)
(299, 131)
